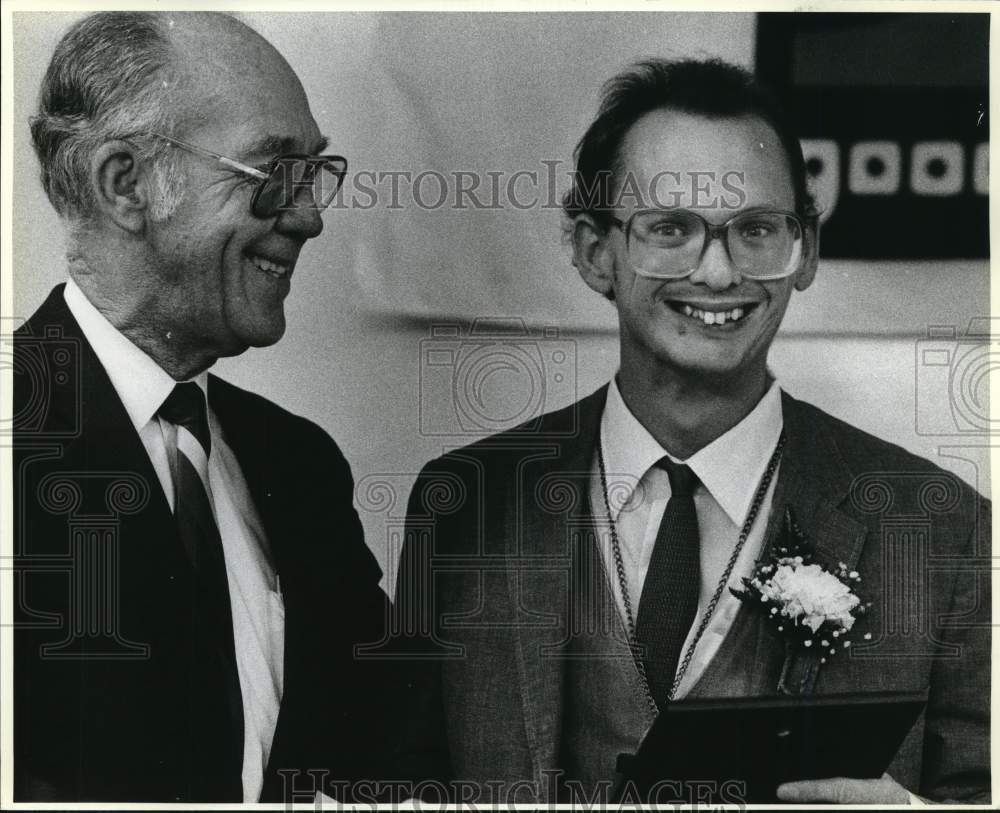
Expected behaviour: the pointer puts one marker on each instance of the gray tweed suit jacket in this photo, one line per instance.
(485, 601)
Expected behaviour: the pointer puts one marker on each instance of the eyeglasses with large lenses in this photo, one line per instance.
(670, 243)
(299, 181)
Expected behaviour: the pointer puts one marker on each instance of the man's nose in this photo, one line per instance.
(716, 270)
(302, 219)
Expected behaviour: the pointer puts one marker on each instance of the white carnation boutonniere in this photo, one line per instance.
(813, 607)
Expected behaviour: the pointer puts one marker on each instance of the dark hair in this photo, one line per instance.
(106, 80)
(704, 87)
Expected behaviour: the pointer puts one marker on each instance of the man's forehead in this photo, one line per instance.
(697, 161)
(250, 116)
(233, 80)
(696, 137)
(216, 36)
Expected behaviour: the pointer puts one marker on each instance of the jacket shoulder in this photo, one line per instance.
(552, 433)
(864, 453)
(52, 317)
(294, 430)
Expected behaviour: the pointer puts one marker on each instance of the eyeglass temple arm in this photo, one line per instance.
(229, 162)
(252, 171)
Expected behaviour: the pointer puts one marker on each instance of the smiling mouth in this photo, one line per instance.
(713, 317)
(269, 267)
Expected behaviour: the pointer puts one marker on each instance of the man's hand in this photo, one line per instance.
(884, 791)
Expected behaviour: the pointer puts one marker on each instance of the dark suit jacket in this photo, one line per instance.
(485, 600)
(104, 702)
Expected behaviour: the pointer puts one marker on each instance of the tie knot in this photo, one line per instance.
(682, 479)
(185, 406)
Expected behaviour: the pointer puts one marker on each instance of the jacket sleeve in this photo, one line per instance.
(421, 751)
(956, 758)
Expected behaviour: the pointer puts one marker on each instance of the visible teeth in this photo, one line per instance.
(272, 269)
(714, 317)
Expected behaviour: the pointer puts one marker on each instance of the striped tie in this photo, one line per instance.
(217, 707)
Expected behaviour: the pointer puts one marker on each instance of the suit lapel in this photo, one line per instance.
(813, 481)
(246, 432)
(88, 440)
(549, 509)
(817, 483)
(106, 442)
(245, 435)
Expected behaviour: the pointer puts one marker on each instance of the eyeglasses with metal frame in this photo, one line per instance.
(282, 185)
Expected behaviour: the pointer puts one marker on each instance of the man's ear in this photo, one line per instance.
(120, 182)
(810, 255)
(592, 256)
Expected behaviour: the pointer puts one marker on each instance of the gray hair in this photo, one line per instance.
(109, 79)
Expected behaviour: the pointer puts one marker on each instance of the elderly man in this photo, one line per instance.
(562, 583)
(192, 576)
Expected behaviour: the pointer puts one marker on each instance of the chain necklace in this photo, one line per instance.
(758, 500)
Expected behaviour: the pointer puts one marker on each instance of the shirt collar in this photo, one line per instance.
(141, 384)
(730, 467)
(629, 449)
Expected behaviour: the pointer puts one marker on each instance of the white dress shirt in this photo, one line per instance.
(257, 608)
(729, 471)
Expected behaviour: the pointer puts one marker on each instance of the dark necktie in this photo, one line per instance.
(670, 592)
(216, 744)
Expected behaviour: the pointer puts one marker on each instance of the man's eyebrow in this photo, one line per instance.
(272, 145)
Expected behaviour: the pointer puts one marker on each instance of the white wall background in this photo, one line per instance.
(485, 92)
